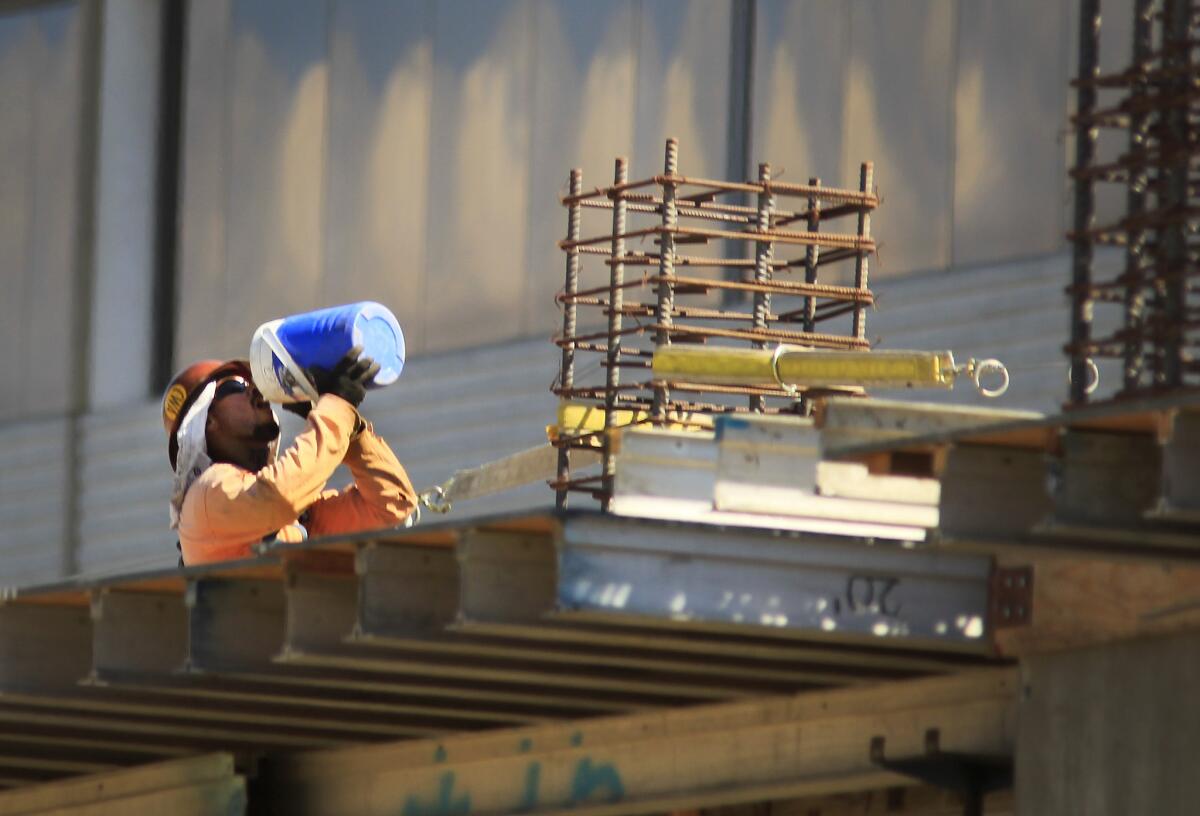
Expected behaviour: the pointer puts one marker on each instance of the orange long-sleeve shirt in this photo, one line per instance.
(228, 510)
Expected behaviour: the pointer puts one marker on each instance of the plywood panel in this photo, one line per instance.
(583, 116)
(800, 57)
(277, 120)
(18, 70)
(897, 114)
(479, 172)
(204, 171)
(381, 78)
(1009, 168)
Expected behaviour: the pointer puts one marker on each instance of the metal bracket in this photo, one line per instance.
(971, 775)
(1010, 597)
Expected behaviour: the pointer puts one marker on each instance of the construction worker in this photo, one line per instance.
(231, 491)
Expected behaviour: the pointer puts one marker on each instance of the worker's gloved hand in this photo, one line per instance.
(300, 409)
(347, 379)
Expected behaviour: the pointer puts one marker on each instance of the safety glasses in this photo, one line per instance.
(229, 386)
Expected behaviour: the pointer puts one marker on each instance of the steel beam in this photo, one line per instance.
(44, 647)
(506, 577)
(1108, 486)
(406, 591)
(992, 493)
(701, 757)
(815, 586)
(1180, 498)
(138, 632)
(126, 791)
(233, 621)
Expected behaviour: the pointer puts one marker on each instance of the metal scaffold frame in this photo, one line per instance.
(657, 308)
(1156, 294)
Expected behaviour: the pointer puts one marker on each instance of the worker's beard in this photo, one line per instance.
(267, 431)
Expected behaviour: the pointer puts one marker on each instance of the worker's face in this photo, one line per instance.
(239, 412)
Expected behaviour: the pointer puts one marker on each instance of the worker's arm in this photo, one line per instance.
(382, 494)
(236, 504)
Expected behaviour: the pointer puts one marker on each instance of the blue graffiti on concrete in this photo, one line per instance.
(533, 780)
(444, 805)
(589, 780)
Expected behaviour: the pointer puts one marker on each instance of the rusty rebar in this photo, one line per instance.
(1135, 202)
(1173, 192)
(830, 194)
(811, 257)
(615, 297)
(567, 365)
(866, 182)
(762, 267)
(1085, 151)
(666, 266)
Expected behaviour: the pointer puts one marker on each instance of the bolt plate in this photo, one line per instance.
(1011, 597)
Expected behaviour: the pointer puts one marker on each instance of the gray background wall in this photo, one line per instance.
(413, 152)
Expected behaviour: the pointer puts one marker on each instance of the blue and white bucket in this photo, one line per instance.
(281, 350)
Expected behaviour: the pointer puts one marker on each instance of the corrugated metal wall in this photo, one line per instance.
(41, 88)
(413, 152)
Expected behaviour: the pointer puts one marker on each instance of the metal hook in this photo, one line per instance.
(435, 499)
(990, 365)
(788, 389)
(1093, 376)
(975, 369)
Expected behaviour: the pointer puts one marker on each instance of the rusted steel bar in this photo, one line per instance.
(830, 194)
(866, 182)
(1085, 152)
(666, 268)
(598, 392)
(805, 338)
(762, 267)
(779, 287)
(689, 212)
(701, 313)
(567, 364)
(811, 256)
(651, 259)
(625, 352)
(628, 364)
(718, 212)
(1118, 115)
(582, 338)
(615, 297)
(835, 310)
(1135, 201)
(824, 239)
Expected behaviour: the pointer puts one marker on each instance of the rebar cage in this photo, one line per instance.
(748, 244)
(1153, 299)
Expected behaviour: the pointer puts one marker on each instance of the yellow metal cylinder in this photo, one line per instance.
(803, 367)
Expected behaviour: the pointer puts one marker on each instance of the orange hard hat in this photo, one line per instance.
(186, 386)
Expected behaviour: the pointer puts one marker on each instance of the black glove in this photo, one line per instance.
(347, 379)
(300, 409)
